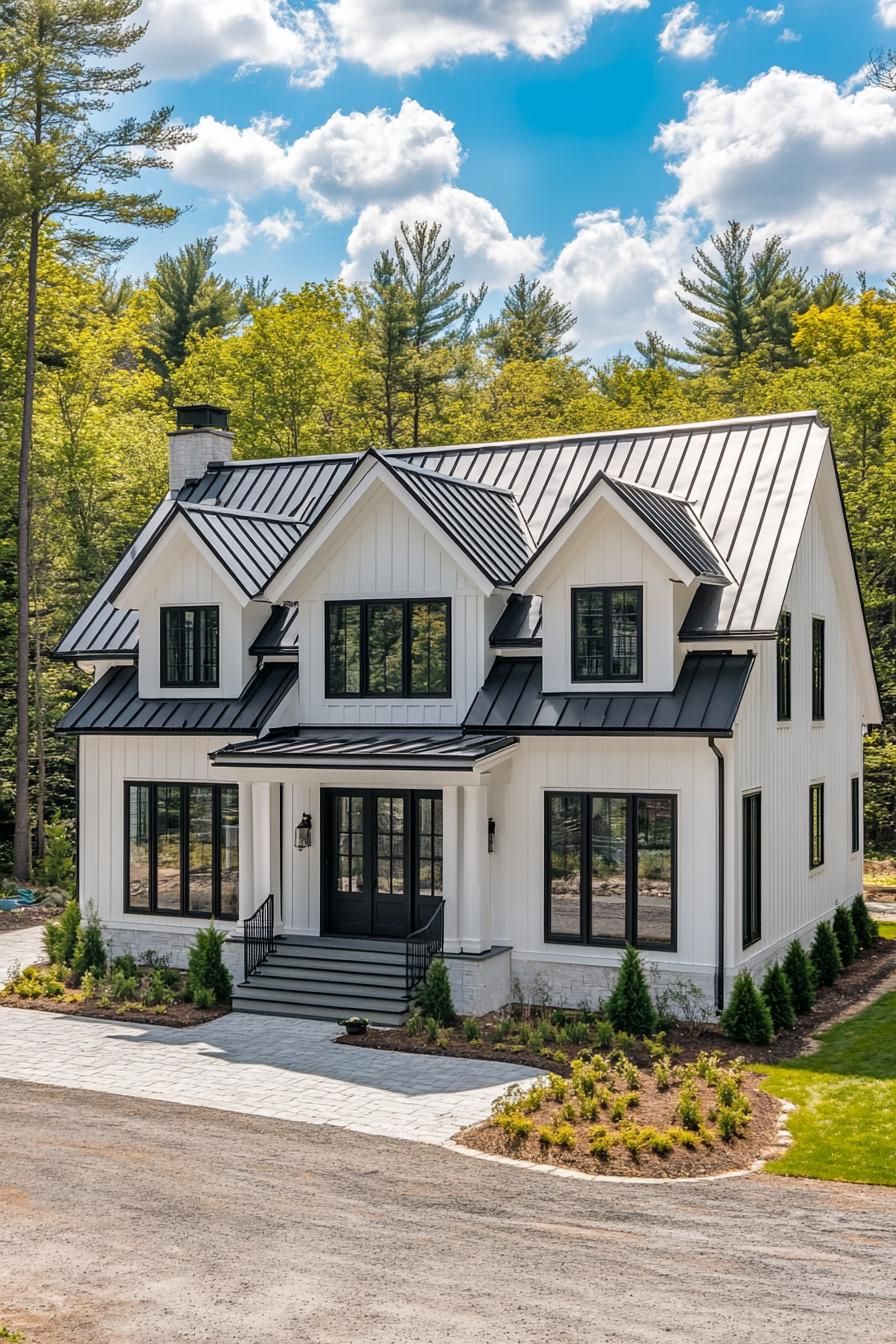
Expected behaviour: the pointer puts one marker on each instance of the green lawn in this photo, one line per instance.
(845, 1127)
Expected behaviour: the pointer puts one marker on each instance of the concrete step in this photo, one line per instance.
(324, 977)
(375, 945)
(338, 965)
(288, 1003)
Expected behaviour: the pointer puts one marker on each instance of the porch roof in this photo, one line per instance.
(360, 747)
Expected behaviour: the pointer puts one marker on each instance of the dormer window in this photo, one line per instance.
(399, 649)
(607, 634)
(189, 646)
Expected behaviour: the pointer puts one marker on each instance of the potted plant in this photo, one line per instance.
(354, 1026)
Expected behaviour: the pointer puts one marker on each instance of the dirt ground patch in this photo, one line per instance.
(26, 917)
(175, 1014)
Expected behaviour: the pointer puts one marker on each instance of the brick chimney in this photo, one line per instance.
(201, 437)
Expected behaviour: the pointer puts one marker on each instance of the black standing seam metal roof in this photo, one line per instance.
(705, 701)
(279, 634)
(113, 705)
(519, 623)
(750, 482)
(304, 748)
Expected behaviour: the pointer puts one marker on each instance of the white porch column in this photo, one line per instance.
(248, 903)
(261, 841)
(451, 887)
(475, 912)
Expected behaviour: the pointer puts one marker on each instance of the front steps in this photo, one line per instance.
(329, 978)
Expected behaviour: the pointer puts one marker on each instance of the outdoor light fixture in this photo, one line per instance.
(303, 832)
(491, 835)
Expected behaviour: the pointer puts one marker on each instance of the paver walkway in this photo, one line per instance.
(280, 1067)
(21, 945)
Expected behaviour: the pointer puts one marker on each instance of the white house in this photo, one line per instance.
(525, 702)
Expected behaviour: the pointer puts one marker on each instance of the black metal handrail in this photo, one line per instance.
(258, 936)
(423, 945)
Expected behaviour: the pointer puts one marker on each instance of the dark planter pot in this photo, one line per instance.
(354, 1027)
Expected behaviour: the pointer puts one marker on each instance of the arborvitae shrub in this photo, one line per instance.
(433, 998)
(864, 925)
(776, 992)
(801, 976)
(206, 972)
(825, 954)
(90, 950)
(630, 1007)
(845, 933)
(747, 1017)
(61, 935)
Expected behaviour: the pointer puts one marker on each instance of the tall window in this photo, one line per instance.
(783, 667)
(607, 625)
(610, 869)
(182, 849)
(855, 814)
(399, 649)
(817, 668)
(751, 842)
(816, 825)
(189, 646)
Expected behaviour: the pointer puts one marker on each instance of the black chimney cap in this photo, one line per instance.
(201, 417)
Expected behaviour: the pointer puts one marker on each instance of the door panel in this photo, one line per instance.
(390, 887)
(348, 906)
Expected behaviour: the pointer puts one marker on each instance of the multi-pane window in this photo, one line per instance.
(189, 646)
(182, 849)
(817, 668)
(400, 649)
(607, 626)
(783, 667)
(751, 868)
(610, 869)
(855, 799)
(816, 825)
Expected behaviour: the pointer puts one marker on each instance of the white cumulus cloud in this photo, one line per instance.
(686, 36)
(238, 231)
(886, 12)
(767, 16)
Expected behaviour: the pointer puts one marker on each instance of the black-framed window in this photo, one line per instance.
(610, 869)
(182, 849)
(855, 802)
(189, 646)
(751, 867)
(816, 825)
(392, 648)
(783, 654)
(817, 668)
(607, 634)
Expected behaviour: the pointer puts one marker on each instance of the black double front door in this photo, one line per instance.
(382, 861)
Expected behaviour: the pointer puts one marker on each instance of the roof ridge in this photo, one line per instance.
(200, 507)
(417, 470)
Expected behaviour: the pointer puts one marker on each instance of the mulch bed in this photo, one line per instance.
(175, 1015)
(655, 1108)
(27, 916)
(854, 984)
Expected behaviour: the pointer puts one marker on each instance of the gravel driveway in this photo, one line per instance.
(134, 1222)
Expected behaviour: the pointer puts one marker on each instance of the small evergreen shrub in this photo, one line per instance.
(800, 976)
(61, 935)
(864, 925)
(845, 933)
(414, 1024)
(90, 950)
(157, 993)
(205, 966)
(471, 1030)
(687, 1110)
(630, 1007)
(558, 1135)
(514, 1125)
(662, 1075)
(600, 1141)
(747, 1017)
(126, 965)
(603, 1033)
(433, 997)
(118, 986)
(777, 994)
(57, 867)
(203, 998)
(825, 954)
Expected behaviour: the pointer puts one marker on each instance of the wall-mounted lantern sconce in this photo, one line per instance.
(491, 835)
(303, 832)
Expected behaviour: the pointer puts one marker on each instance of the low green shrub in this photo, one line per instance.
(732, 1120)
(777, 994)
(126, 965)
(600, 1141)
(845, 933)
(203, 998)
(688, 1111)
(688, 1138)
(432, 1026)
(662, 1074)
(157, 993)
(660, 1142)
(433, 996)
(514, 1125)
(90, 950)
(825, 954)
(471, 1030)
(558, 1135)
(746, 1016)
(117, 986)
(801, 976)
(61, 935)
(630, 1007)
(865, 927)
(205, 966)
(602, 1032)
(557, 1087)
(414, 1024)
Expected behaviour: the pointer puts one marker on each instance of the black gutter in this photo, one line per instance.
(720, 878)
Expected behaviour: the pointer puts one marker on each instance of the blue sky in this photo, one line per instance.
(526, 148)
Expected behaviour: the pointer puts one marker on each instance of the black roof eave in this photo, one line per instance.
(479, 730)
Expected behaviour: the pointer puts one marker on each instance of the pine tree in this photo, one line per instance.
(776, 992)
(630, 1007)
(864, 925)
(747, 1017)
(531, 325)
(825, 954)
(777, 294)
(90, 950)
(62, 161)
(387, 324)
(433, 997)
(189, 298)
(845, 933)
(719, 298)
(207, 976)
(830, 289)
(801, 976)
